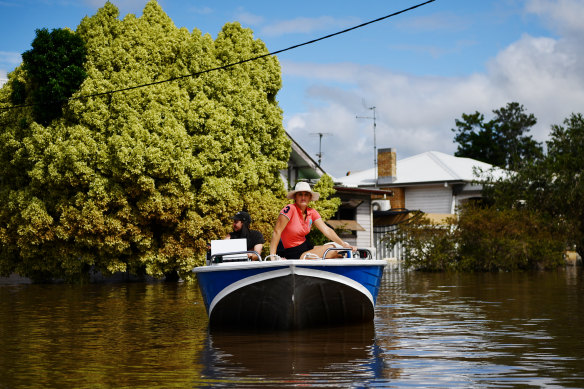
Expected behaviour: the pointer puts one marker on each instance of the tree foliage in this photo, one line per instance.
(54, 69)
(426, 246)
(481, 239)
(502, 141)
(528, 219)
(553, 185)
(508, 239)
(326, 205)
(140, 180)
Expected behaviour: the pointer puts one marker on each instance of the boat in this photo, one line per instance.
(289, 294)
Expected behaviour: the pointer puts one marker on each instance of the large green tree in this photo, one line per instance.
(141, 179)
(54, 69)
(327, 204)
(553, 184)
(501, 141)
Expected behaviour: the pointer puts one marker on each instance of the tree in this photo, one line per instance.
(565, 168)
(553, 184)
(326, 206)
(54, 67)
(426, 246)
(529, 218)
(480, 239)
(491, 239)
(140, 180)
(501, 141)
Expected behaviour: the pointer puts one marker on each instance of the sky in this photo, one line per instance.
(420, 70)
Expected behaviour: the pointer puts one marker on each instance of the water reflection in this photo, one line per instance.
(496, 330)
(441, 330)
(337, 356)
(99, 335)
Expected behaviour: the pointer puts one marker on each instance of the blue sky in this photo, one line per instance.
(421, 70)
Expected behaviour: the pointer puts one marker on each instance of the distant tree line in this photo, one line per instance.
(526, 220)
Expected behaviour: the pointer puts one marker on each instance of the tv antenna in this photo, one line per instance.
(320, 135)
(374, 140)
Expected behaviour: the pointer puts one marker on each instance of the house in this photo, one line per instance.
(432, 182)
(354, 219)
(301, 167)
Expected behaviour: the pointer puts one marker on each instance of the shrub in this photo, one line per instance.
(481, 239)
(508, 239)
(426, 245)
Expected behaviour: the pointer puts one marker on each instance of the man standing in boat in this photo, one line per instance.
(255, 239)
(294, 223)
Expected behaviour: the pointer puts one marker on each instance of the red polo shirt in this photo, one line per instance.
(295, 232)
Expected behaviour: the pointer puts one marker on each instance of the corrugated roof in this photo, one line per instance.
(431, 166)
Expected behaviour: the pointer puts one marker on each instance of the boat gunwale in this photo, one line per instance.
(289, 262)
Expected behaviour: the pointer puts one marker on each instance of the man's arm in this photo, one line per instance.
(258, 249)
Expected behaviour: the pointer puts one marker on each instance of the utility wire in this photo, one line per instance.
(231, 64)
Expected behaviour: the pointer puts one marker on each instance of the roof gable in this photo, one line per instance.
(303, 163)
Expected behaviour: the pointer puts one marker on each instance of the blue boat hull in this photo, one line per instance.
(290, 294)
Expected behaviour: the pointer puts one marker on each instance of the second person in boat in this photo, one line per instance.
(241, 230)
(295, 222)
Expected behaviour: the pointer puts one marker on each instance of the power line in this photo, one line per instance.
(231, 64)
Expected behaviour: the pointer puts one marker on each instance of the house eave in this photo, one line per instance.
(362, 190)
(427, 183)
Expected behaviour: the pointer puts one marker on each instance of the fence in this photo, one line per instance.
(379, 232)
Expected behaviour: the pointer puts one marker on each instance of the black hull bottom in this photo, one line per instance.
(292, 302)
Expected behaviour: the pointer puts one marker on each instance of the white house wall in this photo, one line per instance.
(429, 199)
(364, 238)
(461, 198)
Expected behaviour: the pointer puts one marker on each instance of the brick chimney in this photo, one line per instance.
(386, 166)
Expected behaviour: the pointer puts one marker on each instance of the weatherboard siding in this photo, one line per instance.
(363, 217)
(434, 199)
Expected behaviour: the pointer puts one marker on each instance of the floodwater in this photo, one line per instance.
(430, 330)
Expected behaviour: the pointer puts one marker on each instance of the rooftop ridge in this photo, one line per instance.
(444, 166)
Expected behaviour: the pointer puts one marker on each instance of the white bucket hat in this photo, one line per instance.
(303, 187)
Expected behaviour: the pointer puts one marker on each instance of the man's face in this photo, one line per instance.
(237, 224)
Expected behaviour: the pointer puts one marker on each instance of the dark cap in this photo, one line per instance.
(243, 216)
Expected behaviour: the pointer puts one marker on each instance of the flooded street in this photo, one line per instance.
(438, 330)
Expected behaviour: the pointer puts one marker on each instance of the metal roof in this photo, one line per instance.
(428, 167)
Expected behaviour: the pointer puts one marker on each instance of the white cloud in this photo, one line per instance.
(564, 15)
(248, 18)
(10, 58)
(435, 51)
(544, 75)
(305, 25)
(415, 114)
(337, 72)
(8, 61)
